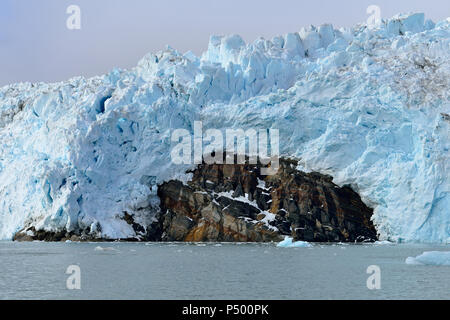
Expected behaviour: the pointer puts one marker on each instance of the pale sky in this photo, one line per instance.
(35, 44)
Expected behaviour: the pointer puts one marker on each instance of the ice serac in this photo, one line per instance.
(371, 107)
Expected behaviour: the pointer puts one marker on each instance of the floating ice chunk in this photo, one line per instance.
(327, 35)
(293, 45)
(289, 243)
(435, 258)
(99, 248)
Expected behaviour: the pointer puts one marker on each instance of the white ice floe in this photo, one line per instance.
(289, 243)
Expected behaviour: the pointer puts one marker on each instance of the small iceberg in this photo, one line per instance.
(289, 243)
(434, 258)
(383, 242)
(104, 249)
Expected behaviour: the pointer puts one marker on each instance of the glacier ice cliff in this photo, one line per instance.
(369, 106)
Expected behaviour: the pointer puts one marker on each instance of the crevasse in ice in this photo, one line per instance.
(370, 106)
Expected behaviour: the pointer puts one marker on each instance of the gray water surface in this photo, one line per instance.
(36, 270)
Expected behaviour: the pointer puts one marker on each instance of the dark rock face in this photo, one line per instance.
(31, 234)
(235, 203)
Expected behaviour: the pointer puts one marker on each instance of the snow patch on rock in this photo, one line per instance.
(435, 258)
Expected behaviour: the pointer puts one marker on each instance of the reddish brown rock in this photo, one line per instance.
(235, 203)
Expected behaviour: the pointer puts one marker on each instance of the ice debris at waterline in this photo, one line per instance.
(289, 243)
(368, 106)
(99, 248)
(237, 203)
(436, 258)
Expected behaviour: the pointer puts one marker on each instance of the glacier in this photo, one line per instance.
(368, 105)
(289, 243)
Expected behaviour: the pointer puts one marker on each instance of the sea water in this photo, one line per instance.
(37, 270)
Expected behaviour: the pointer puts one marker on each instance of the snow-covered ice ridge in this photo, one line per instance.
(368, 106)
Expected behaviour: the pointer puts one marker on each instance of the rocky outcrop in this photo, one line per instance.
(235, 203)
